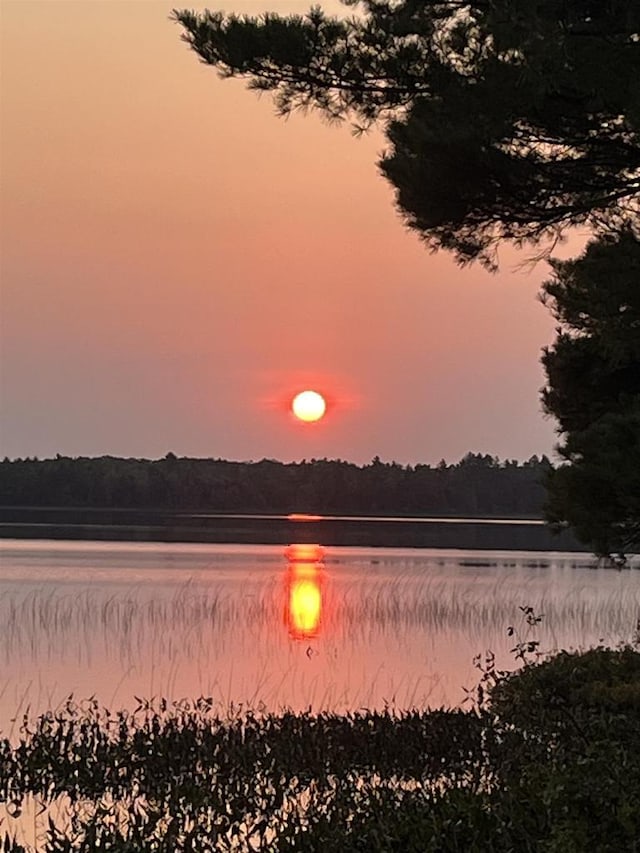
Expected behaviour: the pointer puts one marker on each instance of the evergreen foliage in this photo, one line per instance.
(593, 372)
(506, 119)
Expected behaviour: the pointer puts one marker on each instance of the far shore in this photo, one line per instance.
(389, 532)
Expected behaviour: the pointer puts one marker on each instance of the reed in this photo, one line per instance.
(44, 623)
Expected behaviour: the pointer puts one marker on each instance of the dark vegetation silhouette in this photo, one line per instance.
(506, 121)
(593, 389)
(547, 759)
(478, 485)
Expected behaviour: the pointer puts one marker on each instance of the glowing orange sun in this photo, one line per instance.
(308, 406)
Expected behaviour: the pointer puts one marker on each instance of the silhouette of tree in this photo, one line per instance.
(593, 389)
(478, 485)
(506, 119)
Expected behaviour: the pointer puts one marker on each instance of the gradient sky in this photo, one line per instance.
(177, 262)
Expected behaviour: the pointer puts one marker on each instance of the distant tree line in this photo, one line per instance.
(478, 485)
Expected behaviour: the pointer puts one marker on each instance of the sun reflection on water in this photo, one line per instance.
(303, 610)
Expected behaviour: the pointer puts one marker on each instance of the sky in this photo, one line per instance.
(177, 263)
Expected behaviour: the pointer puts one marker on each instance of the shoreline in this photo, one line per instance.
(149, 526)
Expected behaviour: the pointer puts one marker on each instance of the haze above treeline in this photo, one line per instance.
(477, 485)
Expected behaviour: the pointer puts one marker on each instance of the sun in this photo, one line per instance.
(308, 406)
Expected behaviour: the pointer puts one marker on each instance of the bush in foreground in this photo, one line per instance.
(551, 763)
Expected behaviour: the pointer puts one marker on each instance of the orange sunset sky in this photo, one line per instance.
(177, 263)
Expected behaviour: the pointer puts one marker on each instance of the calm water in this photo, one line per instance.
(357, 628)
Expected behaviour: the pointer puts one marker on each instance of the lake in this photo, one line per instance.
(339, 628)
